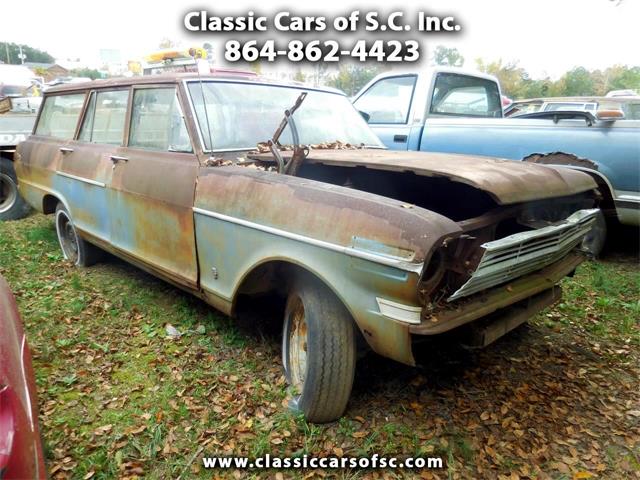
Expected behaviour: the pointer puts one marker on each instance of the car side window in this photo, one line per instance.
(463, 95)
(388, 100)
(59, 115)
(157, 122)
(105, 117)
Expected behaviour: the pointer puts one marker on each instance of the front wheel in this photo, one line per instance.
(318, 350)
(74, 248)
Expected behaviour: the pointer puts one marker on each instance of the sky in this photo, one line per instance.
(546, 37)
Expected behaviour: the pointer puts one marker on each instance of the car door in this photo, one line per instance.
(153, 187)
(87, 161)
(387, 104)
(41, 154)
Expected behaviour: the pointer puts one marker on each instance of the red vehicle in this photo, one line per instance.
(20, 446)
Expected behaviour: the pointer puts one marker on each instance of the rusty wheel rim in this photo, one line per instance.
(298, 346)
(8, 193)
(67, 237)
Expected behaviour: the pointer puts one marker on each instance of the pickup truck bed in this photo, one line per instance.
(455, 111)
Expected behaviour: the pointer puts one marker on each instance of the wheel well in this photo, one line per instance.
(49, 203)
(267, 285)
(585, 165)
(264, 289)
(606, 204)
(272, 277)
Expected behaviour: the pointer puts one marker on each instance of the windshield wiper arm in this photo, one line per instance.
(299, 153)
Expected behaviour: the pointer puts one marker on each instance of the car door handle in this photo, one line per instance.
(115, 159)
(400, 138)
(66, 149)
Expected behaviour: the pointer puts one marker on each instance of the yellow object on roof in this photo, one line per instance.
(175, 54)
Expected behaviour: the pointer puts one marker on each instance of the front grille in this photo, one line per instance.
(525, 252)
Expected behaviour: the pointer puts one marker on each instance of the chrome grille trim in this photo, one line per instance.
(525, 252)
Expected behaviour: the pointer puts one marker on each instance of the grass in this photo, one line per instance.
(119, 398)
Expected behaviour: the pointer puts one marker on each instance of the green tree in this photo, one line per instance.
(450, 57)
(9, 54)
(621, 77)
(351, 78)
(256, 67)
(514, 80)
(299, 76)
(577, 82)
(91, 73)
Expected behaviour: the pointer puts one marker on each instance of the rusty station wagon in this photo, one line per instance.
(361, 242)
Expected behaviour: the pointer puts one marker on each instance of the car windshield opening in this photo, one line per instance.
(240, 115)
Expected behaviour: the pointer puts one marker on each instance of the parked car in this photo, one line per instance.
(163, 172)
(623, 93)
(20, 446)
(629, 105)
(456, 111)
(63, 80)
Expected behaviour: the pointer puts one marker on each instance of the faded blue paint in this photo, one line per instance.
(84, 201)
(235, 250)
(613, 146)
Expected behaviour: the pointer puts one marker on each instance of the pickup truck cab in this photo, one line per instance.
(456, 111)
(400, 105)
(165, 172)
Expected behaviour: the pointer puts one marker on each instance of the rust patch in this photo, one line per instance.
(560, 158)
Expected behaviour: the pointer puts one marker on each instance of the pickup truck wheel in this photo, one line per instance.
(74, 248)
(318, 350)
(12, 205)
(595, 238)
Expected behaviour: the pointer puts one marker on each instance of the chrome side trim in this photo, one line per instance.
(81, 179)
(352, 252)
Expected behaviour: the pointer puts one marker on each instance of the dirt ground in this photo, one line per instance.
(557, 398)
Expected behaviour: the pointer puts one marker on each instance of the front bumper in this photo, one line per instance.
(480, 305)
(515, 256)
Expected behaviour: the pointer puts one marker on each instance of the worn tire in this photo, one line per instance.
(327, 337)
(12, 205)
(74, 248)
(595, 238)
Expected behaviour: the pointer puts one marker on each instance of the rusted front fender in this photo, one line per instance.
(362, 246)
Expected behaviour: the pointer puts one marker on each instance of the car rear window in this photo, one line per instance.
(463, 95)
(59, 115)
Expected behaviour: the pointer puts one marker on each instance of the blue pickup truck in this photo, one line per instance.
(457, 111)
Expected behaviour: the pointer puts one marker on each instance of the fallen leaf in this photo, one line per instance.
(172, 331)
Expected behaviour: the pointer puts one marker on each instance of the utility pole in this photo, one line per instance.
(6, 46)
(21, 55)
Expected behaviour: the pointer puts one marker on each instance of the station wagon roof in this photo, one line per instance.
(179, 77)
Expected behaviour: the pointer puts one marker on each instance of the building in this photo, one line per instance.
(48, 71)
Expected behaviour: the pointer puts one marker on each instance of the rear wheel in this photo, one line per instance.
(74, 248)
(318, 350)
(12, 205)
